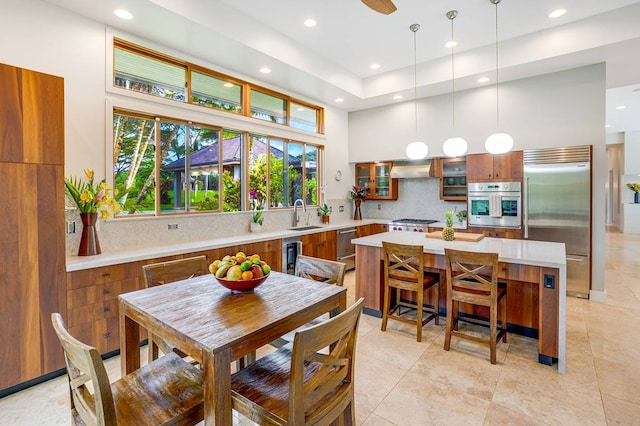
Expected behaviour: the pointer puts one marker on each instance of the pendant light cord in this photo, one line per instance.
(497, 91)
(451, 15)
(415, 28)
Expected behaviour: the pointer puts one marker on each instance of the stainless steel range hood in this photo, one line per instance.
(406, 169)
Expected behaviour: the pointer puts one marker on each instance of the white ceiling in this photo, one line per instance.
(332, 59)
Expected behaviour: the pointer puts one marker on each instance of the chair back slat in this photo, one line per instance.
(313, 268)
(319, 381)
(85, 365)
(174, 270)
(403, 265)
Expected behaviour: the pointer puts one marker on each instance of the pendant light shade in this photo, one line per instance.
(499, 142)
(416, 150)
(455, 146)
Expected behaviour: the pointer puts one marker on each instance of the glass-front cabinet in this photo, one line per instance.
(377, 178)
(453, 178)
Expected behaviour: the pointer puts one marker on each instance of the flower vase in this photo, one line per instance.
(255, 227)
(89, 244)
(357, 214)
(636, 197)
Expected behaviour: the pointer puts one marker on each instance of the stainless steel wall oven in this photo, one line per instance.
(495, 204)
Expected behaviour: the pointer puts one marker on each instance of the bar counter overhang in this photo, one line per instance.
(535, 270)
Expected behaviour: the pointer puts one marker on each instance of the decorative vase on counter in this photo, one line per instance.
(325, 219)
(89, 244)
(357, 214)
(255, 227)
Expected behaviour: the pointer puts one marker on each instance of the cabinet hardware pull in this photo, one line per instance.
(107, 335)
(106, 274)
(106, 309)
(107, 292)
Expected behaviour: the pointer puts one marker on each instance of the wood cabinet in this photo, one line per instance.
(320, 244)
(510, 233)
(32, 239)
(495, 167)
(370, 229)
(452, 173)
(377, 178)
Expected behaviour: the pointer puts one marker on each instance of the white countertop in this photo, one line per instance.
(527, 252)
(77, 263)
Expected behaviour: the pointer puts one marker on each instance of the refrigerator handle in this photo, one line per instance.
(525, 207)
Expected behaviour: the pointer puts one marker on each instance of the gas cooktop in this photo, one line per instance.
(414, 221)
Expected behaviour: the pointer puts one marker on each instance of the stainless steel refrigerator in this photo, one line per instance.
(557, 207)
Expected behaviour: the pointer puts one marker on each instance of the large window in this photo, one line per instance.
(142, 70)
(166, 166)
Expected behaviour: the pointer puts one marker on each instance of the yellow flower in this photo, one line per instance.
(88, 173)
(104, 214)
(86, 197)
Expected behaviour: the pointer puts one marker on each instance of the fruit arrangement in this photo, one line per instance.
(240, 267)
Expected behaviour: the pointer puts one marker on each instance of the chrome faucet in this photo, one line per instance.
(296, 219)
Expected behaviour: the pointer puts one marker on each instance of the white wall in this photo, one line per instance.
(552, 110)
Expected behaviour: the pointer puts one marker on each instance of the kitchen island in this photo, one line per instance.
(535, 273)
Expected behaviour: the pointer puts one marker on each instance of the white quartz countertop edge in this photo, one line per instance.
(107, 258)
(535, 253)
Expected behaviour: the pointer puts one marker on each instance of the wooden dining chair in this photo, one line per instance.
(404, 272)
(167, 391)
(472, 278)
(313, 268)
(304, 382)
(156, 274)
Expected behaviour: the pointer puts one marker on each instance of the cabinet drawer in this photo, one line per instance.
(93, 312)
(523, 273)
(103, 334)
(90, 277)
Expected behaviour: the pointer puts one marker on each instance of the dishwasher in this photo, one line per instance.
(346, 250)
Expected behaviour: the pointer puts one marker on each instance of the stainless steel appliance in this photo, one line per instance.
(557, 193)
(346, 250)
(291, 248)
(414, 225)
(495, 204)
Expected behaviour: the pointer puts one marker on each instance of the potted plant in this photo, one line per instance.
(635, 187)
(324, 211)
(256, 207)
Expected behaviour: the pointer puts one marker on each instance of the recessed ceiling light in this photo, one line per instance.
(265, 70)
(621, 107)
(450, 44)
(397, 97)
(483, 79)
(123, 14)
(607, 125)
(310, 22)
(227, 84)
(374, 66)
(339, 100)
(557, 13)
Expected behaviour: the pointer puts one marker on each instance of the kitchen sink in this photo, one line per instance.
(305, 228)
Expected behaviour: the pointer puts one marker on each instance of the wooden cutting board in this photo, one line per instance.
(459, 236)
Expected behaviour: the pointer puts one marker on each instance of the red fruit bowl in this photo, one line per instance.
(241, 286)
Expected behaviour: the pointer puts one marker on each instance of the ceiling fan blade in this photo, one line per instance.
(385, 7)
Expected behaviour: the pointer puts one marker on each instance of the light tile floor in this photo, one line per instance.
(402, 382)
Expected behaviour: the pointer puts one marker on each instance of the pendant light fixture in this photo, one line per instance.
(455, 146)
(416, 150)
(499, 142)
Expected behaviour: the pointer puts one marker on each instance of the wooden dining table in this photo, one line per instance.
(215, 326)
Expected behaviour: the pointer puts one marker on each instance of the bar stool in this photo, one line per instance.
(473, 278)
(404, 271)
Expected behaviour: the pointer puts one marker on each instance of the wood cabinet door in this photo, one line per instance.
(479, 167)
(508, 166)
(32, 269)
(32, 111)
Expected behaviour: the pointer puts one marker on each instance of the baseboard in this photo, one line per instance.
(598, 296)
